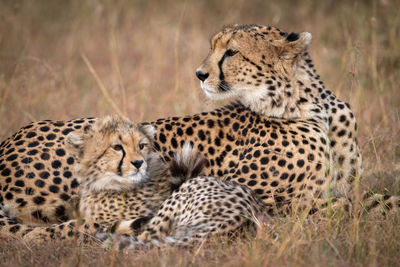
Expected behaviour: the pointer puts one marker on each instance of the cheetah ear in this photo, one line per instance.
(74, 143)
(294, 44)
(149, 130)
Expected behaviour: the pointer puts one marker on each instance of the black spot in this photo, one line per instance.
(67, 174)
(40, 183)
(44, 129)
(60, 211)
(300, 177)
(253, 166)
(189, 131)
(38, 166)
(19, 173)
(174, 143)
(56, 164)
(162, 138)
(303, 129)
(45, 156)
(67, 131)
(29, 191)
(15, 228)
(33, 144)
(30, 134)
(12, 157)
(44, 175)
(60, 152)
(19, 183)
(201, 135)
(168, 127)
(32, 152)
(245, 169)
(30, 175)
(210, 123)
(284, 176)
(274, 184)
(70, 160)
(57, 180)
(51, 137)
(341, 133)
(264, 160)
(282, 162)
(38, 200)
(300, 163)
(54, 188)
(179, 131)
(65, 197)
(6, 172)
(252, 183)
(285, 143)
(74, 183)
(58, 124)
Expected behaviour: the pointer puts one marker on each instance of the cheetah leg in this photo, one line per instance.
(377, 205)
(70, 230)
(12, 228)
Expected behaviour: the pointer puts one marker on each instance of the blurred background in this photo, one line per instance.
(68, 59)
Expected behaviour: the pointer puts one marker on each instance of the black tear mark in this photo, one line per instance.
(119, 170)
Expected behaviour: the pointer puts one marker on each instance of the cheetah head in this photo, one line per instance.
(113, 154)
(252, 63)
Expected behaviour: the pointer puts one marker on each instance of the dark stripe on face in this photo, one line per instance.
(221, 73)
(119, 170)
(223, 86)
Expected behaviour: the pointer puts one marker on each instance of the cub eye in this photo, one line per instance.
(142, 145)
(117, 147)
(230, 52)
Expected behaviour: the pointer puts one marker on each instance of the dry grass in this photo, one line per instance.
(64, 59)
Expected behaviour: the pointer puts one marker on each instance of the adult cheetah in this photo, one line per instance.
(287, 138)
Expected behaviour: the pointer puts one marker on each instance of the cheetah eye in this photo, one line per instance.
(142, 145)
(230, 53)
(117, 147)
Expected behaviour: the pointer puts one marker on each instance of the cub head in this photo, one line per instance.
(250, 62)
(113, 154)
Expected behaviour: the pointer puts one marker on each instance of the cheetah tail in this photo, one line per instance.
(187, 163)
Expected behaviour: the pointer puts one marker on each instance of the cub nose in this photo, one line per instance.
(137, 163)
(201, 75)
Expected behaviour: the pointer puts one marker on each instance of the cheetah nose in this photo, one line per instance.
(137, 163)
(201, 75)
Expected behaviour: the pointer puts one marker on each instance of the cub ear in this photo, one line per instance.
(74, 144)
(294, 44)
(75, 141)
(149, 130)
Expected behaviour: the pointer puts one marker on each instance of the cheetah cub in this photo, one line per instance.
(120, 175)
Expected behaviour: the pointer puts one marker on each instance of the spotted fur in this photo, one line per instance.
(288, 138)
(115, 188)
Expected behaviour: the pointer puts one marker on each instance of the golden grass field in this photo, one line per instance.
(66, 59)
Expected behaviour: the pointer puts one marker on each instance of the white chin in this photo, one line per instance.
(211, 94)
(111, 181)
(139, 177)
